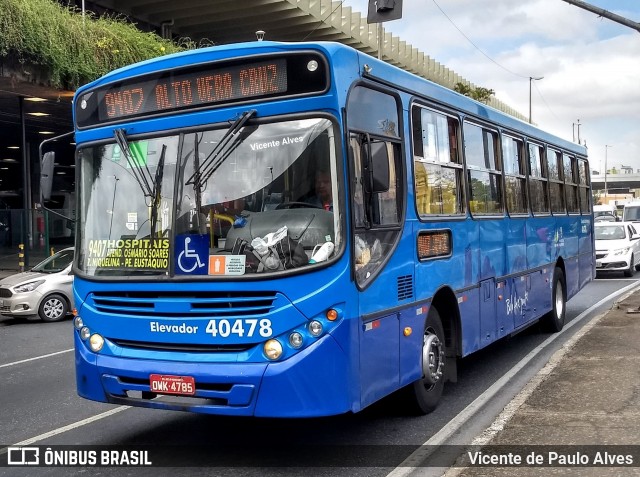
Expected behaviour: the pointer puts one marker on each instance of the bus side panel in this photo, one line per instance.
(379, 358)
(504, 315)
(516, 244)
(458, 271)
(570, 232)
(572, 278)
(540, 231)
(468, 304)
(411, 346)
(540, 297)
(488, 316)
(492, 243)
(586, 259)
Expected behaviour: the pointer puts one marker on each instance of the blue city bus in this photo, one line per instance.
(214, 274)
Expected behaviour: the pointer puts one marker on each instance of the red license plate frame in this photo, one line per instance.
(171, 384)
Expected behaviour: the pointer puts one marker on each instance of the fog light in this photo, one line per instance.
(295, 340)
(312, 65)
(85, 333)
(78, 323)
(315, 328)
(96, 342)
(272, 349)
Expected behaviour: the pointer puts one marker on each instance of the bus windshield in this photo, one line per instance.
(199, 202)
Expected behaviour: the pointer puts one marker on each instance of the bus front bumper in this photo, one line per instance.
(311, 383)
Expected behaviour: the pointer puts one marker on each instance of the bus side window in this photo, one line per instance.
(437, 163)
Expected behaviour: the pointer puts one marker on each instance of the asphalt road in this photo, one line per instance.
(39, 405)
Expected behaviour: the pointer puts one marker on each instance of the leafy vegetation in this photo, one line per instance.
(74, 50)
(479, 94)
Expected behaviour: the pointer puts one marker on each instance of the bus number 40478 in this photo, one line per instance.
(240, 328)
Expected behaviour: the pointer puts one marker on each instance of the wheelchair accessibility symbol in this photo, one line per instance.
(192, 254)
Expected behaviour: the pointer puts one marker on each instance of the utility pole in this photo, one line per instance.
(605, 174)
(532, 78)
(605, 13)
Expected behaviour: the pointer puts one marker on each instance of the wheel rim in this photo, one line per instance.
(432, 358)
(559, 300)
(52, 309)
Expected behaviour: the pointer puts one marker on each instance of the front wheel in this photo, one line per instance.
(554, 320)
(632, 269)
(53, 308)
(425, 393)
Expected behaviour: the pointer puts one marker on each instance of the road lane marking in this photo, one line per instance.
(411, 463)
(66, 428)
(37, 357)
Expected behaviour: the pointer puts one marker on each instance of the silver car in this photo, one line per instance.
(46, 290)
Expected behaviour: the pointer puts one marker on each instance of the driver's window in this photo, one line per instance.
(376, 215)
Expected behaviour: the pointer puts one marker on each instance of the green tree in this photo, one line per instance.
(479, 94)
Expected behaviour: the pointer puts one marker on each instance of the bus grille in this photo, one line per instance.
(181, 304)
(185, 347)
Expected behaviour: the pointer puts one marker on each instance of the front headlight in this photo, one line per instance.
(621, 251)
(28, 287)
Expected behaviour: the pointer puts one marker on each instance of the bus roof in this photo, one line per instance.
(378, 70)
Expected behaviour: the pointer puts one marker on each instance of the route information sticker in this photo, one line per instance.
(128, 254)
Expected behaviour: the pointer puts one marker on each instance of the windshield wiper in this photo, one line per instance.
(157, 191)
(142, 175)
(151, 187)
(228, 143)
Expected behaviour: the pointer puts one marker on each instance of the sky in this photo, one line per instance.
(590, 65)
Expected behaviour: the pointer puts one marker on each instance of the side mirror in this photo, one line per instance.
(375, 166)
(46, 175)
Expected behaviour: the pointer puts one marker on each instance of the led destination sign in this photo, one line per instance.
(202, 86)
(187, 90)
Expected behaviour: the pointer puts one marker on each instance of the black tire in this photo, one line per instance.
(53, 308)
(631, 270)
(424, 394)
(554, 320)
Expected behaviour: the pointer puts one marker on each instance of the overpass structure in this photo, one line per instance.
(24, 123)
(616, 183)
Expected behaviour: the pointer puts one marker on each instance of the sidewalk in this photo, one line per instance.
(587, 395)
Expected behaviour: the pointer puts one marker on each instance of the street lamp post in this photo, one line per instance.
(606, 148)
(531, 79)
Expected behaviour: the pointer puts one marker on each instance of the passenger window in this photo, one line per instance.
(538, 184)
(556, 182)
(515, 175)
(437, 163)
(571, 183)
(485, 181)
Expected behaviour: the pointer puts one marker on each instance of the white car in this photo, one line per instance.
(617, 247)
(45, 291)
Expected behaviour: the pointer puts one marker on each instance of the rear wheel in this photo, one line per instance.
(425, 393)
(53, 308)
(554, 320)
